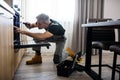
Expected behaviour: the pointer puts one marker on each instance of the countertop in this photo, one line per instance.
(103, 24)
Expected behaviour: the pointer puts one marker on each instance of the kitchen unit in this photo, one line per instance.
(9, 57)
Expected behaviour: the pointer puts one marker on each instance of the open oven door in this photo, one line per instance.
(23, 44)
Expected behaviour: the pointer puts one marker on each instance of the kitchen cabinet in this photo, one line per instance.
(6, 45)
(9, 57)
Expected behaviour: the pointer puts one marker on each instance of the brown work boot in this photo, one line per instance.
(37, 59)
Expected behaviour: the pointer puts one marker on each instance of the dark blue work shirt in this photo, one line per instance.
(55, 28)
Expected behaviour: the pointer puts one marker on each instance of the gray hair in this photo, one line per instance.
(43, 17)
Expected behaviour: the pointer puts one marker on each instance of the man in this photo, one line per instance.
(54, 33)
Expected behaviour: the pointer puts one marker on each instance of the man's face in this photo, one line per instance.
(40, 24)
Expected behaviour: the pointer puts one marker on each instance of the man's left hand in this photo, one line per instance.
(20, 30)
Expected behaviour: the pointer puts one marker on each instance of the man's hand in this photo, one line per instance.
(30, 25)
(27, 24)
(20, 30)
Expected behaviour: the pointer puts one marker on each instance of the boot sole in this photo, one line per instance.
(33, 63)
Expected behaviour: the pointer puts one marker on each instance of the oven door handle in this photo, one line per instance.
(45, 44)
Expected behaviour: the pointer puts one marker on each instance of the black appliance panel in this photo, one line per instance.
(16, 23)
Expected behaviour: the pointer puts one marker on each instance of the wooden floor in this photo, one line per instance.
(47, 70)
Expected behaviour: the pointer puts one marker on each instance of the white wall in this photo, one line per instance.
(112, 9)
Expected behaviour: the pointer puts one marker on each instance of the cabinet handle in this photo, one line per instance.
(11, 18)
(1, 13)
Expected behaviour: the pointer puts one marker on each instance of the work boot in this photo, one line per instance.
(37, 59)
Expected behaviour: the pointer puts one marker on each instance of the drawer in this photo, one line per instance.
(4, 13)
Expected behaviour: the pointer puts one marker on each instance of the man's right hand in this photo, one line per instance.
(27, 24)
